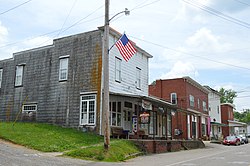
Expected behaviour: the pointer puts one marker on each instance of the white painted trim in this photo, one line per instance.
(29, 110)
(87, 124)
(64, 56)
(86, 93)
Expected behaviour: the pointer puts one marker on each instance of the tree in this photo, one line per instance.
(227, 95)
(243, 116)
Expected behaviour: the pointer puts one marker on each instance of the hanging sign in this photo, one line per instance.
(144, 117)
(146, 105)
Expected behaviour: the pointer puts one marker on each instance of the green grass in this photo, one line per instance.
(119, 150)
(49, 138)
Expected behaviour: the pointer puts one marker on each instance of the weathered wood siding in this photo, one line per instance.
(57, 102)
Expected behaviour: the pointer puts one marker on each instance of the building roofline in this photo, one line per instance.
(150, 98)
(237, 122)
(212, 90)
(32, 49)
(196, 84)
(230, 104)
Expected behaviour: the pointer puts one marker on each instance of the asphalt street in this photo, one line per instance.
(212, 155)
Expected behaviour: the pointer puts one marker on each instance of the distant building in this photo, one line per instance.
(191, 121)
(232, 127)
(215, 113)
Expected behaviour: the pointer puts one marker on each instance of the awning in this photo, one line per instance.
(218, 124)
(236, 124)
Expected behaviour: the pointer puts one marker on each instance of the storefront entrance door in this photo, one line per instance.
(127, 119)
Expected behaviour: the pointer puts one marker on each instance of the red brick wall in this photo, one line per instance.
(162, 146)
(226, 114)
(198, 94)
(164, 88)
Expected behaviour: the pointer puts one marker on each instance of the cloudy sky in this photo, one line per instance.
(208, 40)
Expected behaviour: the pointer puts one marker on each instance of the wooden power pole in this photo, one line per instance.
(106, 78)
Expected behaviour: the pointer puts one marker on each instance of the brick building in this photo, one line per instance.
(191, 121)
(232, 127)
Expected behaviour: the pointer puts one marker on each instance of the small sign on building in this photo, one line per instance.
(134, 124)
(144, 117)
(146, 105)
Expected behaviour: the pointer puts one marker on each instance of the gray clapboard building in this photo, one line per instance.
(44, 84)
(62, 84)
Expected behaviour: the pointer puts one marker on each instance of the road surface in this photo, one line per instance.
(212, 155)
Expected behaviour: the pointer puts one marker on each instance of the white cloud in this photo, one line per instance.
(204, 40)
(181, 69)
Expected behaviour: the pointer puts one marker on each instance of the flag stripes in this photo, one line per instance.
(125, 47)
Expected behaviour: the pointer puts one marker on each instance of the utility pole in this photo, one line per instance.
(106, 78)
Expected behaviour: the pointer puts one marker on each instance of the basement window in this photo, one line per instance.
(29, 108)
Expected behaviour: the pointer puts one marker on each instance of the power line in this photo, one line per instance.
(139, 5)
(242, 2)
(15, 7)
(77, 22)
(217, 13)
(67, 18)
(142, 6)
(62, 24)
(159, 45)
(55, 31)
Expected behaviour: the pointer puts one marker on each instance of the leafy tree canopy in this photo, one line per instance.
(227, 95)
(243, 116)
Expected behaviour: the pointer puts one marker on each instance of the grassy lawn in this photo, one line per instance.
(120, 150)
(49, 138)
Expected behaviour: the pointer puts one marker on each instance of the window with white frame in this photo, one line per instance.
(1, 75)
(174, 98)
(63, 69)
(115, 113)
(118, 70)
(191, 100)
(88, 109)
(138, 78)
(204, 106)
(19, 75)
(29, 108)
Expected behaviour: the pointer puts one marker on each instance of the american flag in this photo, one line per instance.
(125, 47)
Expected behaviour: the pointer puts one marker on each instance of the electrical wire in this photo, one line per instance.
(77, 22)
(66, 18)
(56, 36)
(244, 3)
(15, 7)
(165, 47)
(217, 13)
(142, 6)
(46, 34)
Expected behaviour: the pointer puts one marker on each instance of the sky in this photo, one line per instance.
(208, 40)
